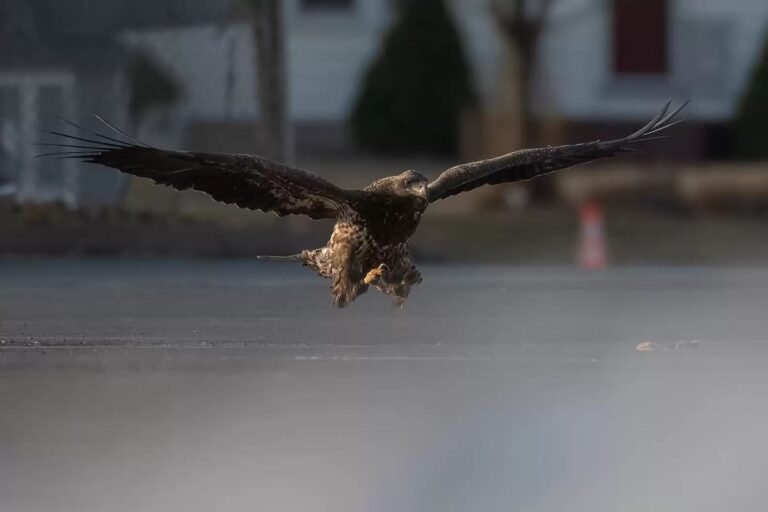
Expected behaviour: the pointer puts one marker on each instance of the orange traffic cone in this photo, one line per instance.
(592, 249)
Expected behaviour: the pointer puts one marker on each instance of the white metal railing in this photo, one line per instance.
(28, 184)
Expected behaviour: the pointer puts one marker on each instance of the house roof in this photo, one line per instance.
(108, 17)
(100, 54)
(66, 34)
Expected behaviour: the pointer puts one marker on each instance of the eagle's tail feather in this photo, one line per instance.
(292, 257)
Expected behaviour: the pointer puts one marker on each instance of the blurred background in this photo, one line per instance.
(137, 375)
(358, 89)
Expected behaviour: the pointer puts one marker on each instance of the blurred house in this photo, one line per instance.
(41, 79)
(66, 59)
(603, 66)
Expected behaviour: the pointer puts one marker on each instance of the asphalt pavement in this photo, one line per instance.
(235, 385)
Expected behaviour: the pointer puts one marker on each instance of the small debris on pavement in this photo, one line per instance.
(649, 346)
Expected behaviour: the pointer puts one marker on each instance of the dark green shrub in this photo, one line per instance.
(416, 89)
(751, 123)
(151, 86)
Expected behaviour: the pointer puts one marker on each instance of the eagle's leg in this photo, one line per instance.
(347, 279)
(347, 286)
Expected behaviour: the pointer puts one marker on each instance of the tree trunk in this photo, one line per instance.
(271, 77)
(523, 32)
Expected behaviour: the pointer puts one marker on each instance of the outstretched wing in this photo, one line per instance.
(248, 181)
(530, 163)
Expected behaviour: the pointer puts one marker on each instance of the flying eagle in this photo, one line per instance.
(369, 243)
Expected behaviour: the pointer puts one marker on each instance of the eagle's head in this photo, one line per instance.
(411, 183)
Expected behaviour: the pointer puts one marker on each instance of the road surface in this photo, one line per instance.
(209, 385)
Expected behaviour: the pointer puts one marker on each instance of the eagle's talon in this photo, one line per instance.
(376, 274)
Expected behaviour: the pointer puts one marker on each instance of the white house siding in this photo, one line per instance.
(482, 46)
(214, 63)
(744, 25)
(328, 53)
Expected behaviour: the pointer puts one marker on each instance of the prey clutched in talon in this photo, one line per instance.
(376, 274)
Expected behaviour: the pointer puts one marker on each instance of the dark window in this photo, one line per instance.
(323, 4)
(640, 36)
